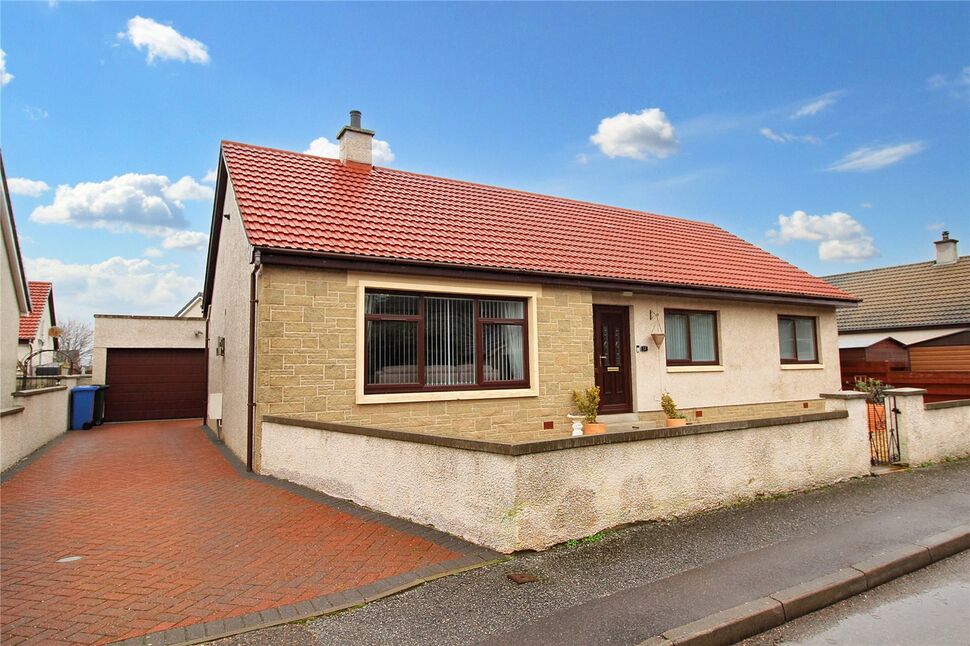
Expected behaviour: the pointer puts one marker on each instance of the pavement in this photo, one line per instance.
(151, 527)
(627, 586)
(930, 607)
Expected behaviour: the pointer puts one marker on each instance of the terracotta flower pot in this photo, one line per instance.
(596, 428)
(676, 422)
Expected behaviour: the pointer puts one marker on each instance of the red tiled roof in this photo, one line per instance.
(39, 293)
(304, 202)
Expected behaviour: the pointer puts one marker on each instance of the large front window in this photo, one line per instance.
(421, 342)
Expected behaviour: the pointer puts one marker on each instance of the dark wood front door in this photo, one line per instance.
(154, 384)
(611, 330)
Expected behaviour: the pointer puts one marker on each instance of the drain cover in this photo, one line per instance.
(68, 559)
(521, 577)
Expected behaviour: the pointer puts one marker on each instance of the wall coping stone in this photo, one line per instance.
(150, 318)
(906, 392)
(38, 391)
(556, 444)
(844, 394)
(13, 410)
(953, 403)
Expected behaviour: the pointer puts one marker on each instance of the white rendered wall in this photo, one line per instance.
(229, 318)
(535, 501)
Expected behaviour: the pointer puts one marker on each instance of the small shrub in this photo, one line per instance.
(874, 389)
(587, 402)
(670, 407)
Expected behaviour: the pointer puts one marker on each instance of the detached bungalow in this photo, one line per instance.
(346, 298)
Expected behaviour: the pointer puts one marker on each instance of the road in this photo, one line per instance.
(930, 607)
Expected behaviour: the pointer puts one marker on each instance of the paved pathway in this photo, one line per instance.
(170, 534)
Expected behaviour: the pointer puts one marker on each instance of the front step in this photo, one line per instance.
(886, 469)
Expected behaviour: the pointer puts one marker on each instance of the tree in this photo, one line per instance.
(76, 342)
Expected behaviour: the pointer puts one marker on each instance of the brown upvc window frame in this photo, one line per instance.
(793, 318)
(479, 356)
(690, 353)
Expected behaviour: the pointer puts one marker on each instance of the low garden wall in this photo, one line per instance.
(531, 495)
(930, 432)
(37, 417)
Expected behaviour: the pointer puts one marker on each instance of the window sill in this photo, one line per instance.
(447, 395)
(695, 368)
(802, 366)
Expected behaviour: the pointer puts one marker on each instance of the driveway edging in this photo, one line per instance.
(748, 619)
(473, 557)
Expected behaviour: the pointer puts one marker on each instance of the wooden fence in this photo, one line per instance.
(940, 386)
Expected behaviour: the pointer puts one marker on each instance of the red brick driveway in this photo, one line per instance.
(171, 535)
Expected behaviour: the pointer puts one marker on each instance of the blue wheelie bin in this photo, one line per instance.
(82, 407)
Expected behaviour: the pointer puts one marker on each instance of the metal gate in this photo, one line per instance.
(883, 432)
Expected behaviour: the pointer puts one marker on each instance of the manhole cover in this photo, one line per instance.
(521, 577)
(68, 559)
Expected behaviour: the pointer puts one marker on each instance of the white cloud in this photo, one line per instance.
(147, 204)
(785, 137)
(866, 159)
(114, 286)
(35, 114)
(28, 187)
(190, 240)
(582, 159)
(840, 236)
(163, 42)
(152, 252)
(935, 226)
(636, 136)
(210, 177)
(866, 205)
(5, 76)
(188, 189)
(815, 106)
(958, 85)
(322, 147)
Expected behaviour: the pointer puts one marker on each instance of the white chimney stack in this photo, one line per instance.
(355, 142)
(946, 250)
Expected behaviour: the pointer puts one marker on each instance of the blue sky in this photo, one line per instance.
(852, 121)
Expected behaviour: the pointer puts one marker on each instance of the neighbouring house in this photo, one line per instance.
(192, 309)
(35, 328)
(28, 418)
(15, 298)
(913, 325)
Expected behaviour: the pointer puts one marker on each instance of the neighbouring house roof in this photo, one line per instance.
(192, 301)
(8, 229)
(907, 296)
(315, 205)
(903, 337)
(41, 295)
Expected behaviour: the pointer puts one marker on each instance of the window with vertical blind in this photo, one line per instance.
(434, 342)
(691, 338)
(797, 339)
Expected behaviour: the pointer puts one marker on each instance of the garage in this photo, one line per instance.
(158, 383)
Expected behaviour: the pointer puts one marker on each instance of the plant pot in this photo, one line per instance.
(596, 428)
(676, 422)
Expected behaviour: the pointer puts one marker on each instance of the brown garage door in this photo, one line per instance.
(154, 384)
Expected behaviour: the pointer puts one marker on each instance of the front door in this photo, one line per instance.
(611, 325)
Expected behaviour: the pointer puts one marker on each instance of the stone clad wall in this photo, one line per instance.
(307, 353)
